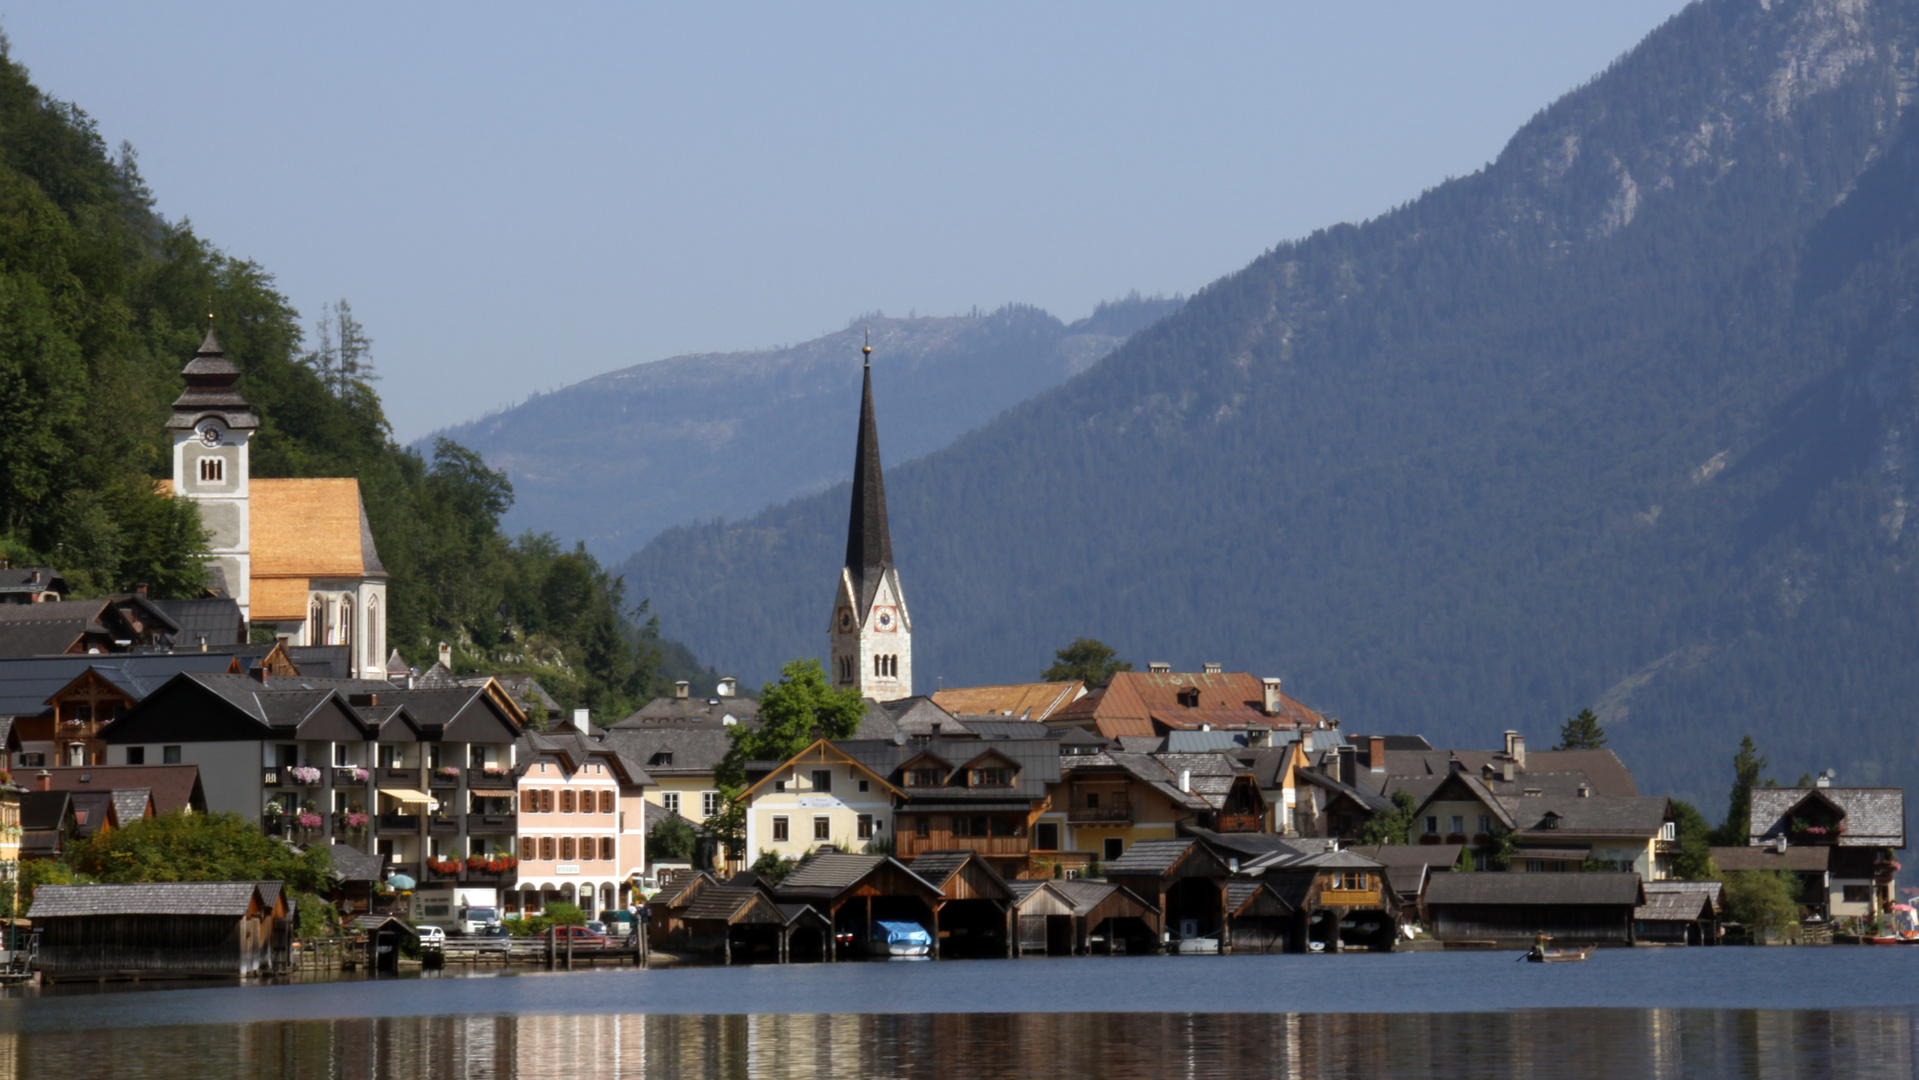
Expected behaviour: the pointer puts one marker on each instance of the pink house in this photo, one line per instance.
(581, 826)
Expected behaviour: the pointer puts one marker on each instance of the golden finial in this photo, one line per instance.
(868, 347)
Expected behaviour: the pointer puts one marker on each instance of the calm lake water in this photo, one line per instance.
(1651, 1012)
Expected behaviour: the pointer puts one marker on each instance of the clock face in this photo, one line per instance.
(846, 621)
(210, 435)
(885, 619)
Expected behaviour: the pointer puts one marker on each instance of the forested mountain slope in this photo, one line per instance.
(619, 457)
(1626, 418)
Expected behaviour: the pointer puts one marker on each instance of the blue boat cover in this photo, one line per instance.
(900, 933)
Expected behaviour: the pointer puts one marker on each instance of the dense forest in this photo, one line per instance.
(103, 301)
(624, 455)
(1624, 420)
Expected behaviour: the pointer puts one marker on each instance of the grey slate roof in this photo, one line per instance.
(938, 867)
(352, 864)
(1086, 895)
(148, 898)
(324, 661)
(720, 902)
(578, 748)
(31, 581)
(1874, 816)
(987, 727)
(690, 749)
(1534, 889)
(215, 620)
(26, 682)
(1600, 768)
(1241, 890)
(1801, 859)
(1679, 901)
(1364, 796)
(1150, 857)
(1036, 761)
(829, 875)
(705, 711)
(1640, 816)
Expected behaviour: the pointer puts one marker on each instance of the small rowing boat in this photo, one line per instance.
(1540, 954)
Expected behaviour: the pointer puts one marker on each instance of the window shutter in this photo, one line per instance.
(546, 848)
(566, 849)
(526, 848)
(566, 801)
(607, 799)
(606, 848)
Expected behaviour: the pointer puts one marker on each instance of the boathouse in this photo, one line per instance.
(974, 911)
(856, 891)
(1185, 880)
(745, 923)
(1514, 908)
(158, 930)
(1680, 913)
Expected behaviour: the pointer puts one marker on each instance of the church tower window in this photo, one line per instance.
(212, 470)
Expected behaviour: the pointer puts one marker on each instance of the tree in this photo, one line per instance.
(794, 712)
(1747, 767)
(1394, 826)
(1763, 898)
(673, 838)
(1581, 732)
(199, 847)
(772, 867)
(565, 914)
(1694, 862)
(1087, 659)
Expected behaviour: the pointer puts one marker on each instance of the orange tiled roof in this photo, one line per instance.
(1133, 702)
(313, 528)
(1015, 699)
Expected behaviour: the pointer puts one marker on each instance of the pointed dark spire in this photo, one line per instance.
(212, 389)
(869, 543)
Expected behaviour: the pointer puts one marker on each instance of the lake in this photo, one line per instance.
(1632, 1012)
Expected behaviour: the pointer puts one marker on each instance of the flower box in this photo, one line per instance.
(304, 775)
(309, 820)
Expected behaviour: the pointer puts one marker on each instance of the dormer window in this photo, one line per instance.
(989, 777)
(1189, 697)
(925, 777)
(661, 760)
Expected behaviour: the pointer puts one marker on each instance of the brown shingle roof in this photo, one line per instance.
(174, 787)
(1135, 700)
(1033, 701)
(307, 528)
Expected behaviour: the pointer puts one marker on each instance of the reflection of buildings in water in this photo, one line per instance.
(1544, 1044)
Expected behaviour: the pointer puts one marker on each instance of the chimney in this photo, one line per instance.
(446, 656)
(936, 729)
(1258, 736)
(1826, 778)
(583, 721)
(728, 687)
(1158, 667)
(1271, 704)
(140, 590)
(43, 782)
(681, 689)
(203, 643)
(363, 701)
(1778, 842)
(1376, 753)
(1348, 763)
(259, 674)
(1213, 667)
(1519, 749)
(1185, 780)
(1506, 771)
(1510, 736)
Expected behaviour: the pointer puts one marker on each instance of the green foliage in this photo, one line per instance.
(1581, 732)
(1499, 854)
(527, 927)
(794, 712)
(198, 847)
(880, 844)
(313, 917)
(673, 837)
(564, 914)
(1094, 869)
(1394, 826)
(772, 867)
(1464, 864)
(1747, 768)
(1087, 659)
(1694, 861)
(1763, 898)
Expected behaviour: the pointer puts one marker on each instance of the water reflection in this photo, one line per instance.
(1660, 1043)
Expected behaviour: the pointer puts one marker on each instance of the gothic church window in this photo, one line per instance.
(316, 623)
(346, 626)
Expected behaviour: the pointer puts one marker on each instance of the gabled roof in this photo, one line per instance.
(310, 528)
(1552, 771)
(692, 710)
(828, 876)
(1576, 889)
(1365, 797)
(173, 787)
(1086, 895)
(1596, 815)
(216, 620)
(1152, 857)
(941, 867)
(577, 749)
(1145, 703)
(246, 709)
(727, 903)
(1241, 892)
(823, 751)
(27, 683)
(1037, 762)
(352, 864)
(231, 898)
(59, 626)
(695, 749)
(1874, 816)
(1680, 901)
(1024, 701)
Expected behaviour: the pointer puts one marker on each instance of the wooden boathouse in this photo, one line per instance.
(1514, 908)
(159, 930)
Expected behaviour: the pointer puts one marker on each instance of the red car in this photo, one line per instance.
(583, 939)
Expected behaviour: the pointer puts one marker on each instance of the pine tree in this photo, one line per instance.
(1087, 659)
(1581, 732)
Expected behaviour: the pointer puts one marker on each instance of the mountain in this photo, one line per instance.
(1627, 419)
(617, 458)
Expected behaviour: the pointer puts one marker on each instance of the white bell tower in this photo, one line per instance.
(212, 428)
(871, 632)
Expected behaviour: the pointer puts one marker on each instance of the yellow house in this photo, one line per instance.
(680, 758)
(819, 796)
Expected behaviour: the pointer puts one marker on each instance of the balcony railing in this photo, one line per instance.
(493, 781)
(443, 825)
(1117, 815)
(408, 777)
(399, 822)
(491, 824)
(1241, 823)
(290, 776)
(344, 776)
(909, 845)
(442, 780)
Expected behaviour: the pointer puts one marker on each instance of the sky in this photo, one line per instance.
(515, 198)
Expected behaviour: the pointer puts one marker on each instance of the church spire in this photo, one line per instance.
(869, 543)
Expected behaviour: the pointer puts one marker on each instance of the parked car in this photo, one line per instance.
(597, 927)
(584, 940)
(432, 937)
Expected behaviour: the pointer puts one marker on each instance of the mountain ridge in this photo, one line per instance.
(1438, 469)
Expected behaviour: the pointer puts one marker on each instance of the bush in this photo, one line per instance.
(673, 838)
(565, 915)
(771, 867)
(1763, 898)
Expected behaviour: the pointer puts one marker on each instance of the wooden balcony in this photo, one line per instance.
(1241, 823)
(491, 781)
(438, 779)
(343, 776)
(490, 824)
(908, 845)
(1349, 897)
(408, 778)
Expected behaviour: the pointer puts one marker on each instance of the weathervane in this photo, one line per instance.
(868, 347)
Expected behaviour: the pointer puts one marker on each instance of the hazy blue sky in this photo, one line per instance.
(515, 198)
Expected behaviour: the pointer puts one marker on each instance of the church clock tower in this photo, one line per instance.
(872, 635)
(212, 428)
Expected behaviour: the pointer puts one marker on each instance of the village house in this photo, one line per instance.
(582, 823)
(1110, 798)
(1154, 702)
(61, 705)
(1033, 702)
(1512, 910)
(681, 759)
(1857, 829)
(30, 584)
(114, 624)
(840, 794)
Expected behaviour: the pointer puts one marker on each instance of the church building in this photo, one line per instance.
(872, 635)
(297, 555)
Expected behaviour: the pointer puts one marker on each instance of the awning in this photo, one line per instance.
(407, 795)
